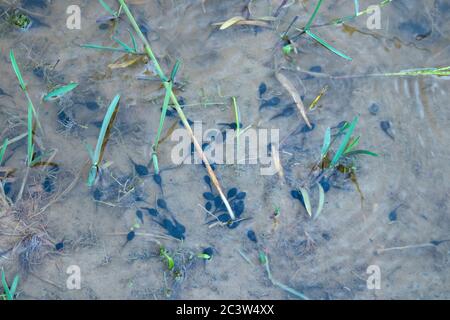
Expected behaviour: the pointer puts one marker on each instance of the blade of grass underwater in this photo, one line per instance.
(98, 47)
(30, 136)
(60, 91)
(107, 8)
(123, 45)
(328, 46)
(310, 21)
(231, 22)
(442, 72)
(6, 287)
(17, 70)
(98, 149)
(23, 86)
(237, 119)
(321, 201)
(3, 150)
(306, 200)
(344, 143)
(160, 127)
(133, 41)
(176, 104)
(326, 142)
(352, 144)
(365, 152)
(356, 7)
(14, 285)
(265, 260)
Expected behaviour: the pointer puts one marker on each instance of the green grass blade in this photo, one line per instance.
(60, 91)
(23, 86)
(6, 287)
(175, 70)
(326, 143)
(321, 201)
(17, 70)
(3, 150)
(237, 119)
(98, 149)
(365, 152)
(133, 41)
(95, 46)
(163, 115)
(123, 45)
(328, 46)
(441, 72)
(353, 144)
(344, 143)
(290, 290)
(155, 162)
(30, 148)
(356, 7)
(14, 285)
(310, 21)
(306, 200)
(107, 8)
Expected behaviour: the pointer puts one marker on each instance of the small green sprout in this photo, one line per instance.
(9, 291)
(164, 253)
(204, 256)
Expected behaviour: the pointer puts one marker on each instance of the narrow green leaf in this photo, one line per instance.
(133, 40)
(352, 145)
(16, 69)
(175, 70)
(328, 46)
(3, 150)
(155, 162)
(356, 7)
(321, 201)
(95, 46)
(107, 8)
(365, 152)
(60, 91)
(163, 115)
(6, 287)
(24, 87)
(326, 142)
(123, 45)
(344, 143)
(98, 149)
(14, 285)
(306, 200)
(30, 148)
(237, 119)
(310, 21)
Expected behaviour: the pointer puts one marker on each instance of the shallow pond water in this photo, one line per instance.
(392, 213)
